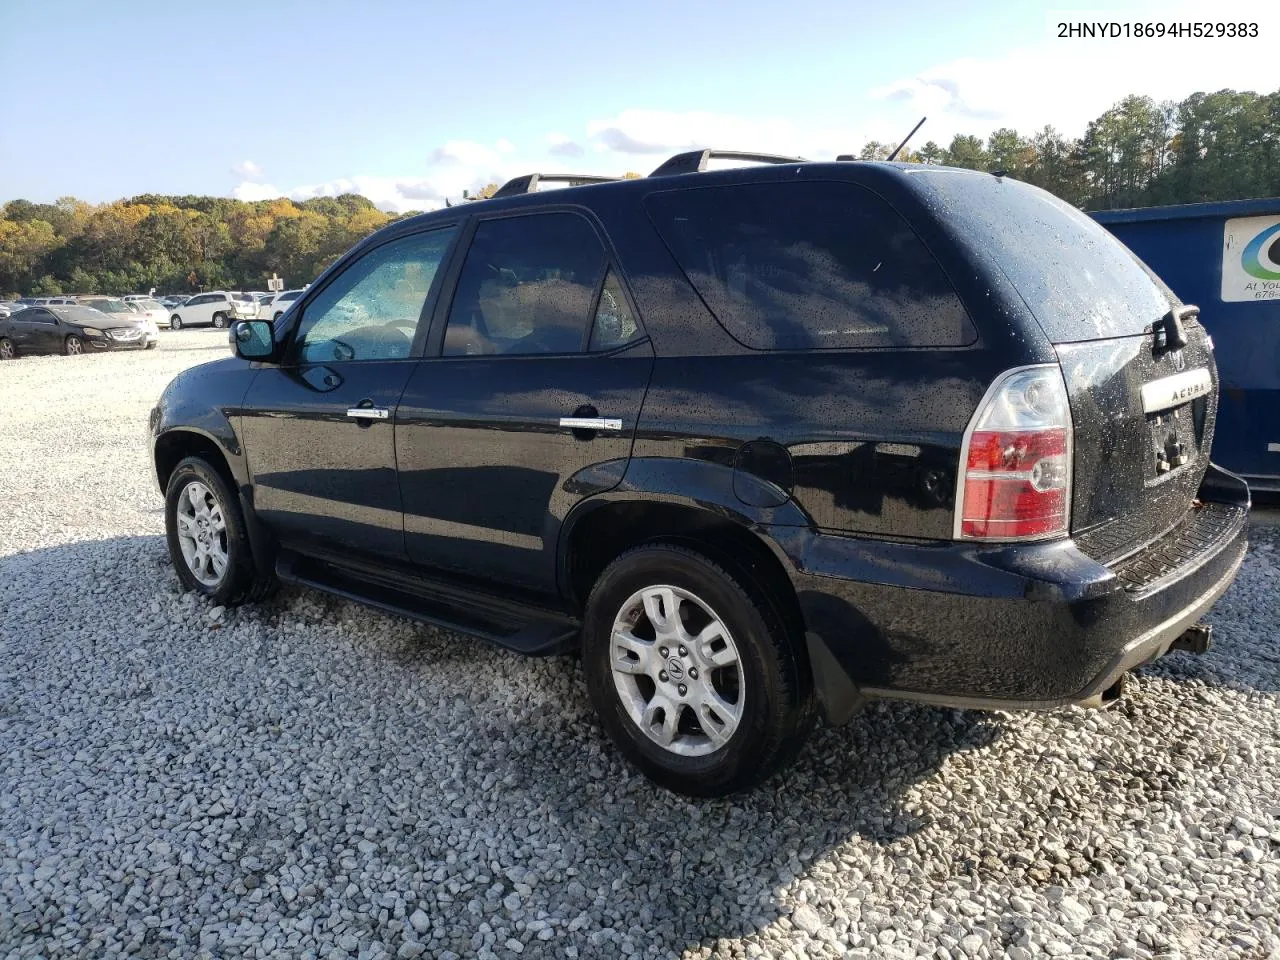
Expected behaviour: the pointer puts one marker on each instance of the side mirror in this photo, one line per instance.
(252, 339)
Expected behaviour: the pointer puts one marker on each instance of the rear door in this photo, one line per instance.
(529, 405)
(318, 428)
(1139, 368)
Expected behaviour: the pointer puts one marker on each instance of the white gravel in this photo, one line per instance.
(311, 778)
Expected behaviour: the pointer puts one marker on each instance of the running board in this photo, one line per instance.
(509, 623)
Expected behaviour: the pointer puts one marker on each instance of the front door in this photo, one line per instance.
(318, 428)
(530, 406)
(34, 330)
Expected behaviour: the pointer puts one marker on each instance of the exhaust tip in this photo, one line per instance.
(1197, 639)
(1109, 697)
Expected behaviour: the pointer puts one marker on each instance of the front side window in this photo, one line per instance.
(371, 310)
(527, 286)
(810, 266)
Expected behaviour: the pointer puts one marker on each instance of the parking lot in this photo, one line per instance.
(313, 778)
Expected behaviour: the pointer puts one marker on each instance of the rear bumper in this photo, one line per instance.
(1022, 627)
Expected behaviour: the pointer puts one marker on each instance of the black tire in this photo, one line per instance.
(776, 691)
(175, 322)
(219, 320)
(279, 314)
(73, 346)
(153, 344)
(7, 352)
(241, 581)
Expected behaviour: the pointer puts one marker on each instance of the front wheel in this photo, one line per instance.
(6, 349)
(175, 322)
(693, 674)
(208, 540)
(153, 344)
(73, 346)
(219, 320)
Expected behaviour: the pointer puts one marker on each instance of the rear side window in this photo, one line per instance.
(527, 286)
(1079, 281)
(810, 266)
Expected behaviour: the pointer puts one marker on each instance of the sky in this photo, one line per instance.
(412, 101)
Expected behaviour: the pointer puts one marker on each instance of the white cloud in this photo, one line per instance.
(469, 153)
(247, 169)
(656, 134)
(559, 145)
(1067, 82)
(256, 191)
(393, 194)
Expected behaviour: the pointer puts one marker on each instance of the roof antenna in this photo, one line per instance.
(905, 139)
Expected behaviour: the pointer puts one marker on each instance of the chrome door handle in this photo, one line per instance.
(368, 413)
(591, 423)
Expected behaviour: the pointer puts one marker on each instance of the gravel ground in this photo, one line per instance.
(311, 778)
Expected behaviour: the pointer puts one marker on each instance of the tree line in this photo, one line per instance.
(1210, 146)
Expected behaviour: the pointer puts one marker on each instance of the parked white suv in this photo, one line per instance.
(218, 309)
(274, 308)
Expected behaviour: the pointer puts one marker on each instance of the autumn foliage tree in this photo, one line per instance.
(175, 244)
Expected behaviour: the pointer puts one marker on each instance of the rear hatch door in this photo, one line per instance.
(1138, 366)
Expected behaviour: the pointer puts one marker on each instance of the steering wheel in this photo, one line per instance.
(342, 350)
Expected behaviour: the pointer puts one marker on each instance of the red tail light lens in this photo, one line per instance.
(1017, 460)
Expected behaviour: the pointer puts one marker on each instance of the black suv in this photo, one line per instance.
(752, 441)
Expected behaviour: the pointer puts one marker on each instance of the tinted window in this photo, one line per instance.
(796, 266)
(290, 296)
(372, 309)
(614, 323)
(1079, 281)
(526, 287)
(196, 301)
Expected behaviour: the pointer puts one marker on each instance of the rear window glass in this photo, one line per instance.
(815, 265)
(1079, 281)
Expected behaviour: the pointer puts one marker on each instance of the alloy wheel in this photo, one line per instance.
(202, 533)
(6, 350)
(677, 670)
(74, 346)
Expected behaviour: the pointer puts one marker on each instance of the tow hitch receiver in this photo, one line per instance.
(1197, 639)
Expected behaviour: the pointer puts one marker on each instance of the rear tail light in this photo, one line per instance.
(1016, 460)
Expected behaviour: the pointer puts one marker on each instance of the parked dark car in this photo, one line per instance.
(71, 330)
(752, 442)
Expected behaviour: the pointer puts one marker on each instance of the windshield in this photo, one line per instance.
(148, 304)
(108, 306)
(1079, 281)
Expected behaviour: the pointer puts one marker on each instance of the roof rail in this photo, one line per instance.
(695, 161)
(529, 182)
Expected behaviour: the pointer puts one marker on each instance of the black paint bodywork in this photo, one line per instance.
(38, 329)
(835, 471)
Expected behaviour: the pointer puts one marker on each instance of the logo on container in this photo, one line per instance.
(1261, 255)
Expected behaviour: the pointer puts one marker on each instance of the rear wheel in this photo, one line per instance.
(208, 540)
(692, 673)
(175, 322)
(219, 320)
(6, 349)
(73, 346)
